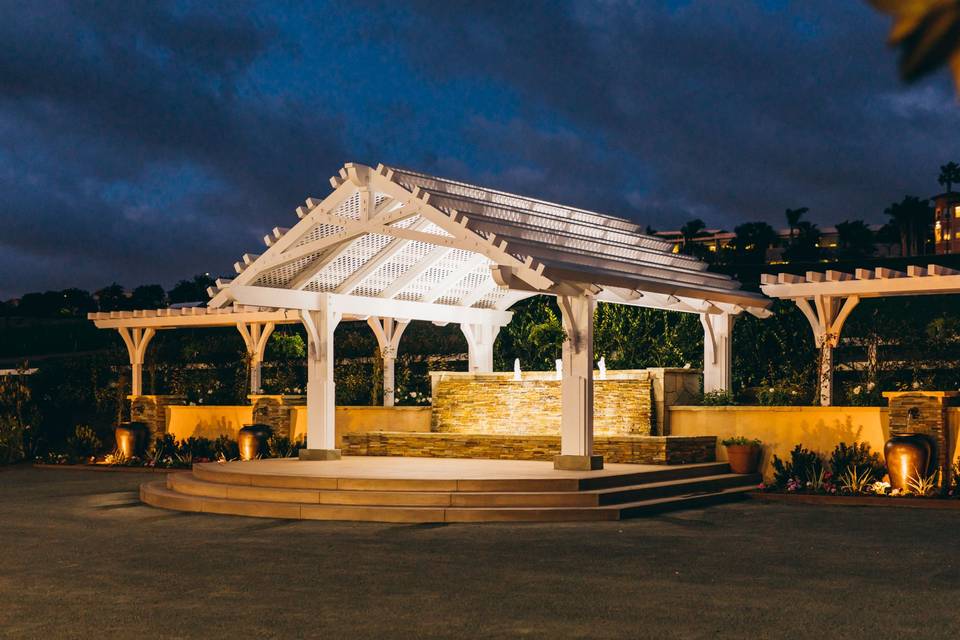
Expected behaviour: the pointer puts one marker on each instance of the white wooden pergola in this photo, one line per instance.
(389, 246)
(827, 299)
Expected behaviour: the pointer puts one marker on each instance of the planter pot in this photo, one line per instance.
(253, 441)
(132, 438)
(907, 456)
(743, 458)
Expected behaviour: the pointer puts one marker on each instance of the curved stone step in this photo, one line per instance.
(234, 474)
(186, 483)
(159, 495)
(678, 503)
(686, 486)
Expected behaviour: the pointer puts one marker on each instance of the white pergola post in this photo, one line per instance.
(717, 351)
(136, 340)
(388, 332)
(255, 336)
(480, 339)
(827, 322)
(576, 386)
(321, 390)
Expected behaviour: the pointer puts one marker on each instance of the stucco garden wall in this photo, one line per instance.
(781, 428)
(213, 421)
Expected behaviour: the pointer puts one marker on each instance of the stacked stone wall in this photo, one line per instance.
(624, 449)
(497, 404)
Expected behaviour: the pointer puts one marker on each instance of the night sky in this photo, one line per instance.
(146, 142)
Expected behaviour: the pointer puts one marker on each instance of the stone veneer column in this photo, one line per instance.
(671, 387)
(152, 411)
(276, 411)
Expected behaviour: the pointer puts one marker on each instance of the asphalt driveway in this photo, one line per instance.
(80, 557)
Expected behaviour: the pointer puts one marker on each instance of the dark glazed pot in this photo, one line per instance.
(253, 441)
(743, 458)
(132, 438)
(907, 456)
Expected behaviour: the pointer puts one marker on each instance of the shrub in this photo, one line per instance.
(224, 448)
(779, 395)
(718, 398)
(84, 443)
(196, 449)
(282, 447)
(864, 395)
(740, 441)
(18, 416)
(858, 458)
(803, 469)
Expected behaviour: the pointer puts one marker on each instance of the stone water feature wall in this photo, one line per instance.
(628, 449)
(626, 403)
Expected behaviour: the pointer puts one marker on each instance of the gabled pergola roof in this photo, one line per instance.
(414, 239)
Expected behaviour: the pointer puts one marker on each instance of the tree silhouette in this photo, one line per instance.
(793, 218)
(805, 247)
(854, 239)
(148, 296)
(913, 218)
(689, 232)
(192, 290)
(752, 241)
(949, 175)
(112, 298)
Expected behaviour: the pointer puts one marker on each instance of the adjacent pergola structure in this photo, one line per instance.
(137, 328)
(389, 246)
(827, 299)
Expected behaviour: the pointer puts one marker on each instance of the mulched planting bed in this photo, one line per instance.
(107, 467)
(855, 501)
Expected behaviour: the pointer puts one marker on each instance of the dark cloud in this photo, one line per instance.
(147, 141)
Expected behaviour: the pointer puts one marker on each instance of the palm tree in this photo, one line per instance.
(913, 218)
(793, 218)
(854, 239)
(949, 174)
(690, 231)
(806, 246)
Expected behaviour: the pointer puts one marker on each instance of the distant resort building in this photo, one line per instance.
(715, 240)
(946, 226)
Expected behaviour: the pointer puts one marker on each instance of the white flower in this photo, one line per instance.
(916, 385)
(880, 488)
(772, 389)
(856, 390)
(413, 394)
(870, 386)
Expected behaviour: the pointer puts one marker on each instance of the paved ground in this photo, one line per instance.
(81, 558)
